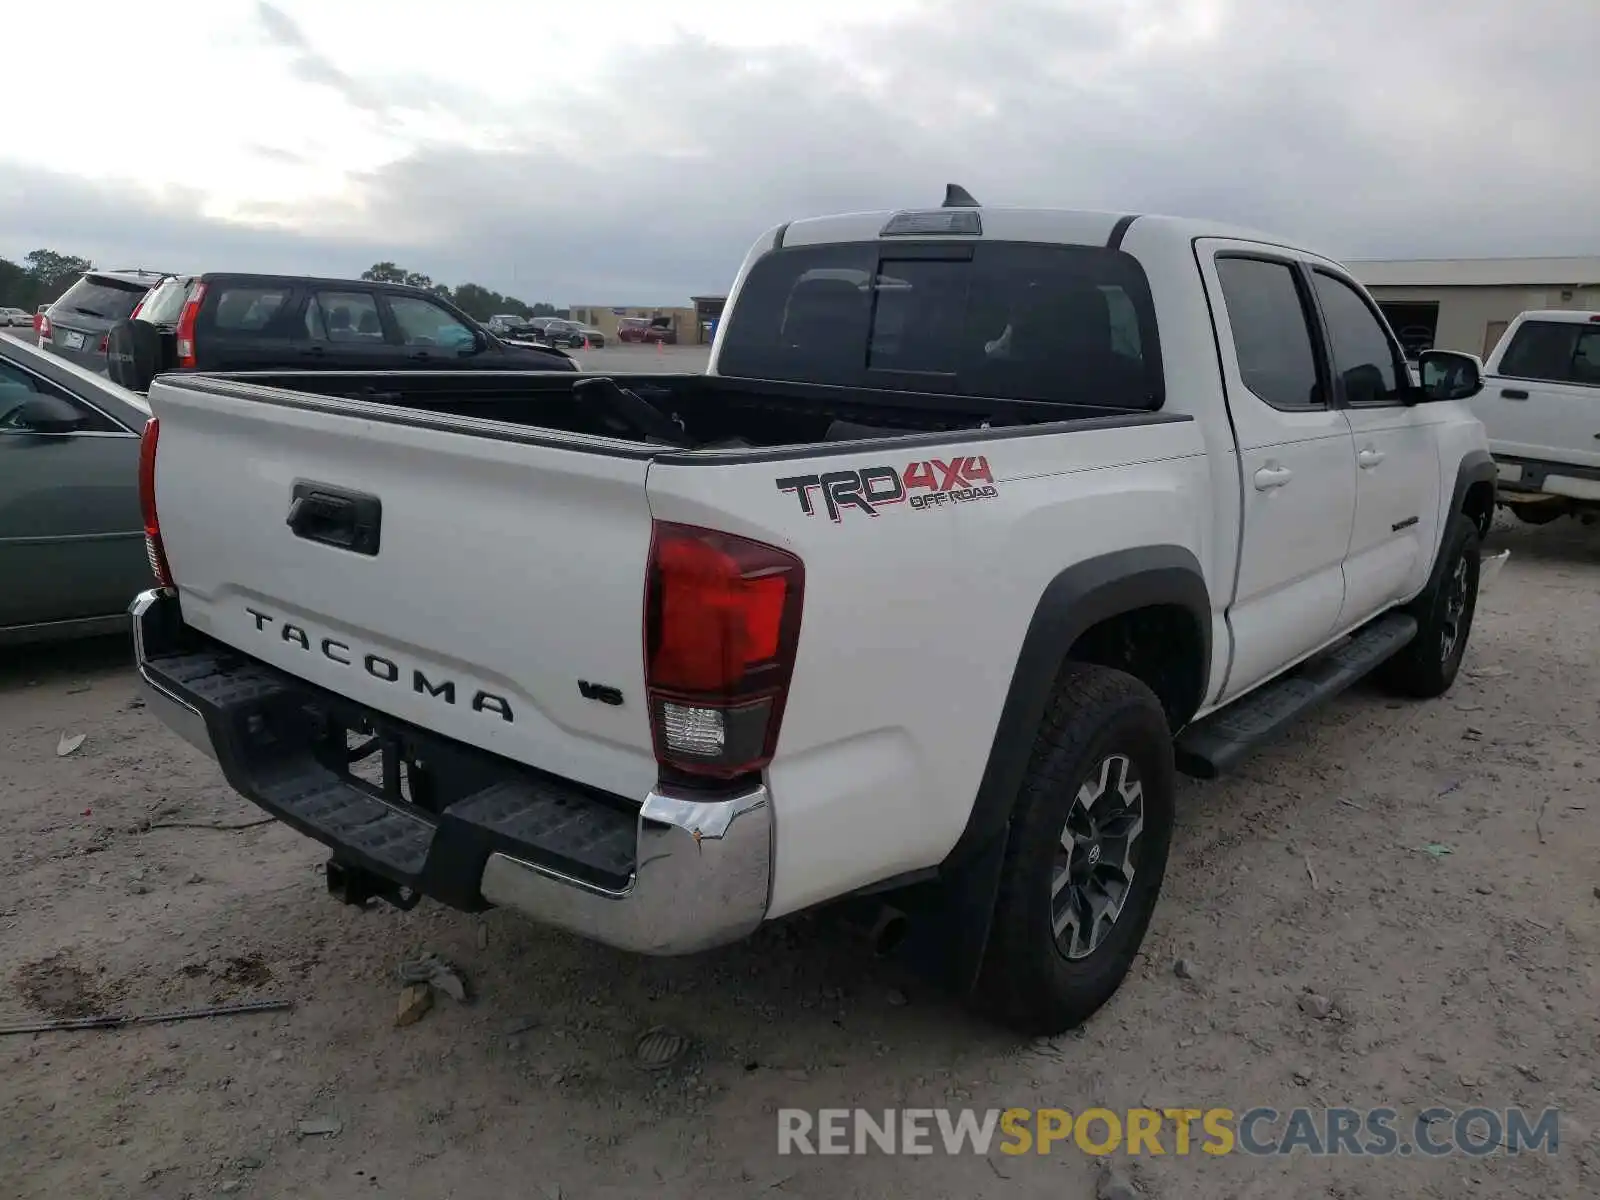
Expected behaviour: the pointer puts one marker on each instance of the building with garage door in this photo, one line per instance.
(1466, 304)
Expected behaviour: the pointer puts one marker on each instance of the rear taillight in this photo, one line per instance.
(44, 328)
(154, 550)
(186, 323)
(134, 315)
(722, 619)
(105, 342)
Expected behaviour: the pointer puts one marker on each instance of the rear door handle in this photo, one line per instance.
(1369, 458)
(1514, 393)
(1271, 477)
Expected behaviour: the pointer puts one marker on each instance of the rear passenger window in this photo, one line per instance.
(1554, 352)
(343, 317)
(1271, 335)
(248, 309)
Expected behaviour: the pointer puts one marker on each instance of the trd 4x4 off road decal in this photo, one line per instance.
(929, 484)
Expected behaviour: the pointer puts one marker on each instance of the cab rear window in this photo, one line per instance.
(1048, 323)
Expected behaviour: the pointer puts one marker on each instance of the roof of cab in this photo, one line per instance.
(1569, 316)
(1048, 225)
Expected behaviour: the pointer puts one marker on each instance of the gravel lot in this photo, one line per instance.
(1461, 977)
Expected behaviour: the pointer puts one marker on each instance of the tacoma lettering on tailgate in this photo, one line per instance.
(929, 484)
(385, 670)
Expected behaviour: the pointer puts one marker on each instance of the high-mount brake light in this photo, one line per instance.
(722, 622)
(937, 222)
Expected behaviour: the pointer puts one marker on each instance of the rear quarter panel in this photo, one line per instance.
(914, 618)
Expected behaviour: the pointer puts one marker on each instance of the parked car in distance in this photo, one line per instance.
(1190, 488)
(77, 324)
(1541, 406)
(537, 326)
(72, 554)
(560, 332)
(646, 330)
(14, 316)
(223, 321)
(509, 325)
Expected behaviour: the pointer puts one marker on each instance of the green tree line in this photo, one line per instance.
(39, 278)
(43, 275)
(475, 299)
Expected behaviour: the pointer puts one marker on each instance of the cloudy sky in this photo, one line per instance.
(627, 152)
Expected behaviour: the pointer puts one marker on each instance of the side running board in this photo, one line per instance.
(1215, 745)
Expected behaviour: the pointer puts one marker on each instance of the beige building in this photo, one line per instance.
(689, 322)
(1466, 304)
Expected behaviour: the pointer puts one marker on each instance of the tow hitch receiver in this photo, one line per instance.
(357, 886)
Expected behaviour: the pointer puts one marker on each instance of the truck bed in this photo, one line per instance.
(700, 412)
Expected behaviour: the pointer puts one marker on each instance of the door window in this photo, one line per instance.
(1271, 333)
(344, 317)
(249, 311)
(1363, 356)
(19, 391)
(1554, 352)
(428, 326)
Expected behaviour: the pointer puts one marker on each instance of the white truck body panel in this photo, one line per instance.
(1553, 421)
(895, 701)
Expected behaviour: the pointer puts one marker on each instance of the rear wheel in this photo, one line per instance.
(1428, 666)
(1085, 855)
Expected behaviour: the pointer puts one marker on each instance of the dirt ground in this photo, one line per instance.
(1468, 976)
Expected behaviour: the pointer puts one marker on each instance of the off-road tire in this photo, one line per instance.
(1027, 981)
(1426, 668)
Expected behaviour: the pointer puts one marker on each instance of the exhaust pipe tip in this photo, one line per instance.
(881, 926)
(889, 932)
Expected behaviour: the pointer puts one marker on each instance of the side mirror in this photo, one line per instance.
(43, 413)
(1449, 375)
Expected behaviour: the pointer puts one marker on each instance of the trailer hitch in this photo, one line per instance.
(356, 885)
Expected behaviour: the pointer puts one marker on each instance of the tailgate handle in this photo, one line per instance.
(1514, 393)
(320, 512)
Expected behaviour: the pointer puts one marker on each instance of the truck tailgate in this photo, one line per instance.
(494, 593)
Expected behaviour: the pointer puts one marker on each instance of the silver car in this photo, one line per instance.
(14, 316)
(72, 553)
(81, 319)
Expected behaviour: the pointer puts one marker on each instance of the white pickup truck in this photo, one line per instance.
(1541, 407)
(981, 522)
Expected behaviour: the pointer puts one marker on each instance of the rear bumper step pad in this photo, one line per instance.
(671, 875)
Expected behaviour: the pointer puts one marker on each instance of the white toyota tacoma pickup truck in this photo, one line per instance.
(981, 523)
(1540, 405)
